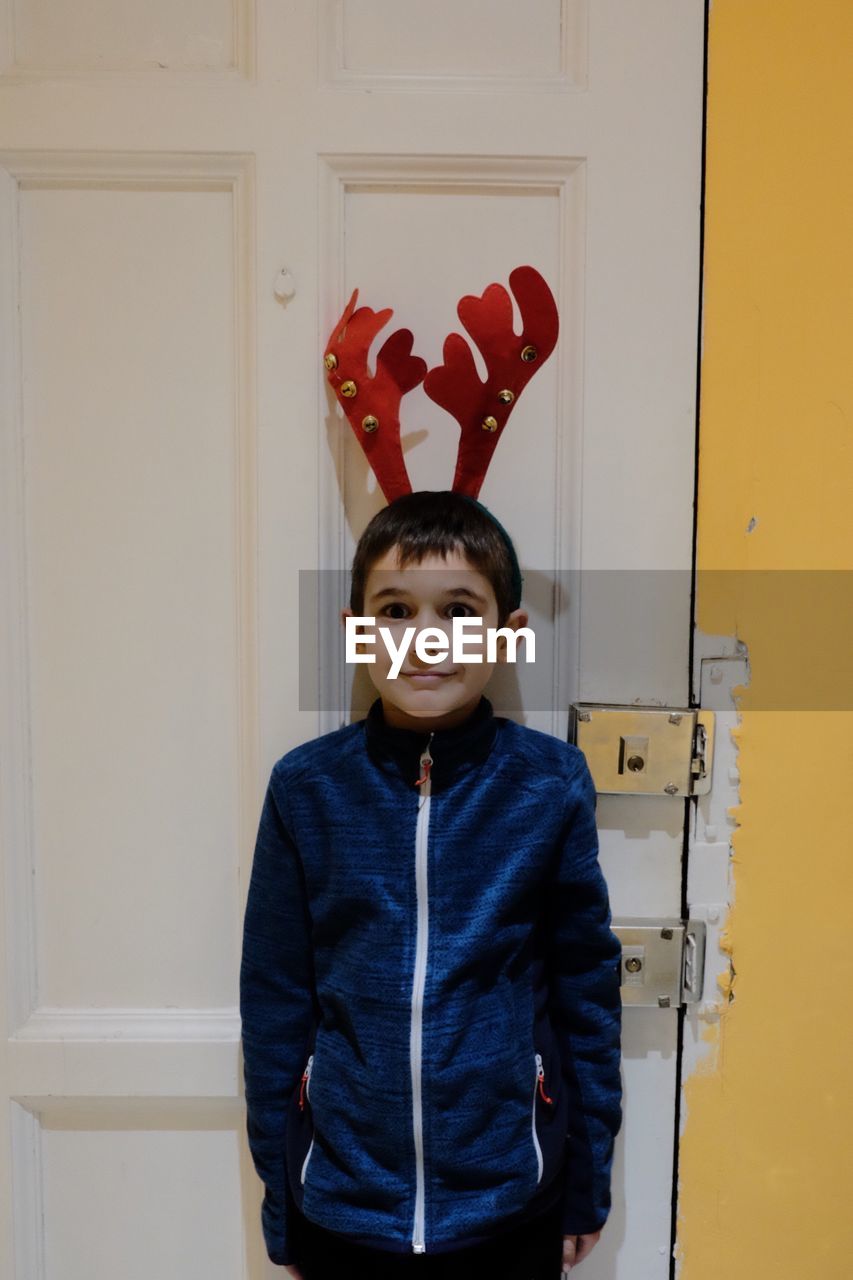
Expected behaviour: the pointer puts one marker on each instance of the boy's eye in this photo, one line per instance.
(467, 611)
(396, 605)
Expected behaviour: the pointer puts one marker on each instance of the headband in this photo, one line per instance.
(371, 402)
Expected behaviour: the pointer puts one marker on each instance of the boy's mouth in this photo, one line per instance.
(418, 677)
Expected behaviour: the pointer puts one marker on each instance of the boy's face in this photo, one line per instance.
(426, 696)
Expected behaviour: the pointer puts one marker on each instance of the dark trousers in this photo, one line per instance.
(532, 1251)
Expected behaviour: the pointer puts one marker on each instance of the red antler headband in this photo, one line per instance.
(482, 409)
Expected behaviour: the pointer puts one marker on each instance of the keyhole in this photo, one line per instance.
(633, 964)
(633, 753)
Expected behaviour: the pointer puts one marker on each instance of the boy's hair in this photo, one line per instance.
(439, 521)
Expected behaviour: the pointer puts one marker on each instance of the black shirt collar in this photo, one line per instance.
(453, 750)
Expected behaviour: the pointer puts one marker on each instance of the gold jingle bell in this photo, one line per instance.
(369, 423)
(506, 397)
(490, 423)
(528, 354)
(349, 389)
(331, 361)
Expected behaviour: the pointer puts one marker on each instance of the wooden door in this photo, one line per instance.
(172, 463)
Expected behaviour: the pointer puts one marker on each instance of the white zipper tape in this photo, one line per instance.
(419, 982)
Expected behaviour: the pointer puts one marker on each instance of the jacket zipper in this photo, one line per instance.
(540, 1087)
(305, 1092)
(416, 1038)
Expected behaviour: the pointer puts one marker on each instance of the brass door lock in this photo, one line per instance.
(663, 961)
(645, 750)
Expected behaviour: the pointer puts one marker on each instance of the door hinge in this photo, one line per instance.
(663, 960)
(645, 750)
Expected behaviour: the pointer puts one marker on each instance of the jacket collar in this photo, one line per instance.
(453, 750)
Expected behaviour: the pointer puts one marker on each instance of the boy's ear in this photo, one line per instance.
(347, 612)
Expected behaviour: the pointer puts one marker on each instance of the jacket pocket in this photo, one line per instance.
(539, 1093)
(305, 1097)
(547, 1121)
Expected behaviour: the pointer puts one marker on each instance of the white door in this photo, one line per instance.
(171, 462)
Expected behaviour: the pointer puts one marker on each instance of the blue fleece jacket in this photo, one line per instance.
(429, 987)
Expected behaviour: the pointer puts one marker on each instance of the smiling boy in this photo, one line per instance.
(429, 988)
(431, 643)
(402, 598)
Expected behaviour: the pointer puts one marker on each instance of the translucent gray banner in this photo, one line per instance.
(618, 630)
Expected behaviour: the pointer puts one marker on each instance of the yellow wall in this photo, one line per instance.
(767, 1153)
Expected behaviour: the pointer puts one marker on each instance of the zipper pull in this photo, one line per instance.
(306, 1076)
(540, 1071)
(426, 763)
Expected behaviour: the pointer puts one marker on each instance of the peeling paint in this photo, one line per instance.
(720, 668)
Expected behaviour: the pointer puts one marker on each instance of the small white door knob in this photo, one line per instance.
(284, 286)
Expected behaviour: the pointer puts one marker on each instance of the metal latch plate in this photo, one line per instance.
(663, 960)
(645, 750)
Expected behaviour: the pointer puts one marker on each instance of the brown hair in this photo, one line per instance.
(437, 522)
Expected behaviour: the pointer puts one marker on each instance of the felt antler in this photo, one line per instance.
(372, 404)
(482, 409)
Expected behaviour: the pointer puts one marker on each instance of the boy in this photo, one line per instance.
(429, 988)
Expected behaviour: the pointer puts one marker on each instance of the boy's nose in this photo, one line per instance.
(430, 645)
